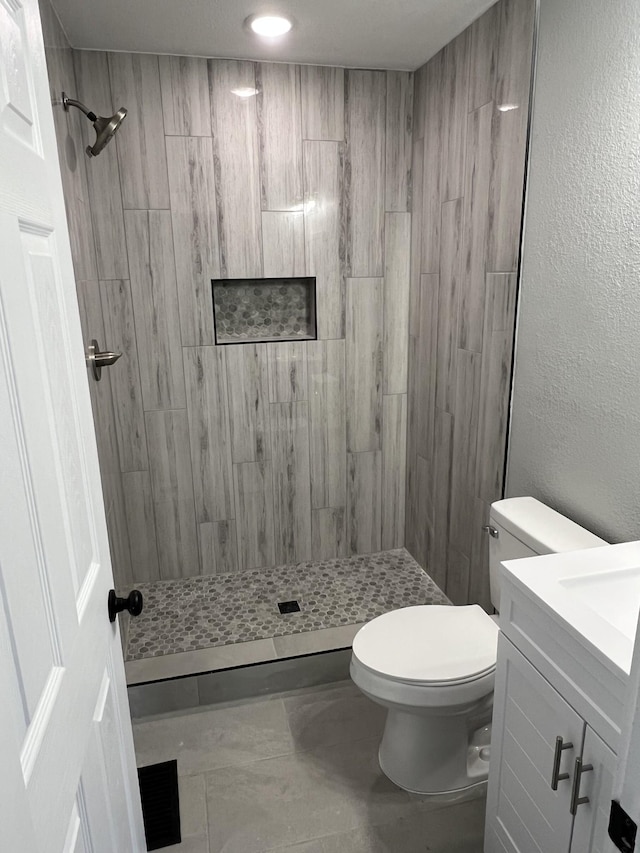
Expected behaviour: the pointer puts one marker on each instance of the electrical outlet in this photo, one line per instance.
(622, 830)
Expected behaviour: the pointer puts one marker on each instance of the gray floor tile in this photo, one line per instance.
(193, 806)
(457, 829)
(192, 844)
(294, 773)
(331, 716)
(268, 804)
(206, 740)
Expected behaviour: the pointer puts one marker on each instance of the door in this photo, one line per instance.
(67, 768)
(591, 823)
(524, 812)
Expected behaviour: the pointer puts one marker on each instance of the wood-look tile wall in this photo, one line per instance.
(221, 459)
(468, 175)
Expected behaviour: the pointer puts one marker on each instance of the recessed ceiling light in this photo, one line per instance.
(245, 91)
(270, 26)
(505, 108)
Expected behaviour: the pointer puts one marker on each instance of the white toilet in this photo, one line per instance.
(433, 666)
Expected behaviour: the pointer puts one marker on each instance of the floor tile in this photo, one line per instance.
(207, 740)
(458, 829)
(298, 773)
(193, 806)
(332, 716)
(192, 844)
(268, 804)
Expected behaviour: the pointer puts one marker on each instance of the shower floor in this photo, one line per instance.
(221, 621)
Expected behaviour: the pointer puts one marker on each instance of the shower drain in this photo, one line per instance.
(288, 607)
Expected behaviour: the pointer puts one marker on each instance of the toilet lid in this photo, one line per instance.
(429, 643)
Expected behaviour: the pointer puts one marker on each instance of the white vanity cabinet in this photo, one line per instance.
(551, 774)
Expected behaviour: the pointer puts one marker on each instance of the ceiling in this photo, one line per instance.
(398, 34)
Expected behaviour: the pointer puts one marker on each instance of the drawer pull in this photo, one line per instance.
(576, 799)
(556, 775)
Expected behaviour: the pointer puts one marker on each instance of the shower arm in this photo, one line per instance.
(71, 102)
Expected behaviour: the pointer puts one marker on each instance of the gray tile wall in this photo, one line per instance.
(468, 171)
(96, 264)
(230, 458)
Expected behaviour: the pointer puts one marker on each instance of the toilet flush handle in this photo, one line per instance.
(492, 531)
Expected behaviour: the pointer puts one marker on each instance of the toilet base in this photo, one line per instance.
(434, 754)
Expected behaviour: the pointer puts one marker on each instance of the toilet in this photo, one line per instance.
(432, 667)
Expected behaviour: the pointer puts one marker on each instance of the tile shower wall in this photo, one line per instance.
(469, 143)
(88, 258)
(219, 459)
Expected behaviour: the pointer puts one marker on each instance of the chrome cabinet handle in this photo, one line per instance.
(492, 531)
(576, 799)
(97, 359)
(556, 775)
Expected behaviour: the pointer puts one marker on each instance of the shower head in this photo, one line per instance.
(105, 128)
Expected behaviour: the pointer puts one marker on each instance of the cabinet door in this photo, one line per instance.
(592, 818)
(524, 813)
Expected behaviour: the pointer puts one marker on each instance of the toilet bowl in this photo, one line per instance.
(432, 666)
(434, 672)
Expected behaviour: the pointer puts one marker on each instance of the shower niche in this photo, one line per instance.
(259, 310)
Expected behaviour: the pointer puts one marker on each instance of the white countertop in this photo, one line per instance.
(595, 592)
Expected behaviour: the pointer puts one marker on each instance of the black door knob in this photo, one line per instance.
(133, 603)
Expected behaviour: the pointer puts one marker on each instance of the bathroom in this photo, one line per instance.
(272, 490)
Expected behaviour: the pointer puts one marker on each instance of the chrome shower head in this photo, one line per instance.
(105, 128)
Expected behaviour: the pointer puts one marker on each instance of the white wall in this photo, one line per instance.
(575, 439)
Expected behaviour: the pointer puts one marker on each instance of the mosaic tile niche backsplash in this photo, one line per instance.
(264, 310)
(221, 459)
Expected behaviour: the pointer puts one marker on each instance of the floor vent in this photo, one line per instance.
(160, 804)
(288, 607)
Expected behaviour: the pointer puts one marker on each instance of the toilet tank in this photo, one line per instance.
(527, 528)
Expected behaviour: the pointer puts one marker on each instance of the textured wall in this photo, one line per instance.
(576, 411)
(223, 458)
(468, 169)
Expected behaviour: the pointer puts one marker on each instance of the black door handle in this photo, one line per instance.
(133, 603)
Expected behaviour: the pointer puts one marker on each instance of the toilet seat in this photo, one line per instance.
(429, 645)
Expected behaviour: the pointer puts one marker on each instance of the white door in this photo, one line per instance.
(67, 767)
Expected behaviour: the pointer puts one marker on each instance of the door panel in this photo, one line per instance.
(65, 734)
(590, 833)
(524, 814)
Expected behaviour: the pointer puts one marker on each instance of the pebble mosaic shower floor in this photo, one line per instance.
(217, 610)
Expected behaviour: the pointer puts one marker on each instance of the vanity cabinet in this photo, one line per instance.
(551, 774)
